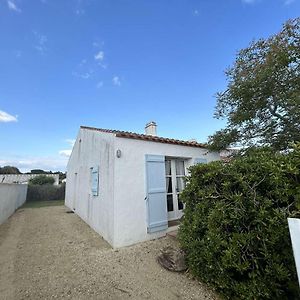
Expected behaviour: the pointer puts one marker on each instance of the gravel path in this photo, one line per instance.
(46, 253)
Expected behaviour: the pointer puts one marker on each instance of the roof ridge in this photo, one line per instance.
(141, 136)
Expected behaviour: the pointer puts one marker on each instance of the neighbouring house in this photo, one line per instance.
(24, 178)
(127, 186)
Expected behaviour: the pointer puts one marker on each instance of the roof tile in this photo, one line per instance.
(138, 136)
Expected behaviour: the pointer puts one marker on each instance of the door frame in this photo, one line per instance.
(176, 213)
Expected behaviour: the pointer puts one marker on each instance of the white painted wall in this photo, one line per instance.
(24, 178)
(130, 188)
(12, 196)
(92, 148)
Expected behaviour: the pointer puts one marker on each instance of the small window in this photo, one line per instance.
(95, 181)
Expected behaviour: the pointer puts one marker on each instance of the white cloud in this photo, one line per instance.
(18, 53)
(54, 163)
(27, 163)
(5, 117)
(65, 153)
(79, 8)
(12, 6)
(286, 2)
(99, 56)
(116, 81)
(98, 43)
(84, 75)
(83, 62)
(79, 11)
(71, 141)
(40, 43)
(99, 84)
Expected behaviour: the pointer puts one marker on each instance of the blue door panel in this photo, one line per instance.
(156, 193)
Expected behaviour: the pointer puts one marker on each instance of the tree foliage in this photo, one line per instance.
(262, 100)
(42, 180)
(45, 192)
(38, 171)
(235, 231)
(9, 170)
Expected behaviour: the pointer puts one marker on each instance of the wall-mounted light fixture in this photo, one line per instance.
(119, 153)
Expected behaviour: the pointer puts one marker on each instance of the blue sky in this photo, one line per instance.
(118, 64)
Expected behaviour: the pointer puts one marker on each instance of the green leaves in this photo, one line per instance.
(41, 180)
(235, 230)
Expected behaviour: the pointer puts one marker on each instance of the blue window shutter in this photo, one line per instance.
(156, 193)
(200, 161)
(95, 181)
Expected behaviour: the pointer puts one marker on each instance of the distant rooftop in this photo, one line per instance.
(145, 137)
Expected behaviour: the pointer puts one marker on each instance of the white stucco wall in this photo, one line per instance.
(92, 149)
(130, 188)
(12, 196)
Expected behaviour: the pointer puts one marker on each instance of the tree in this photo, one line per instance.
(37, 171)
(262, 100)
(62, 175)
(9, 170)
(41, 180)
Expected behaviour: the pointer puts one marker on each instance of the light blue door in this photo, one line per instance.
(95, 181)
(156, 193)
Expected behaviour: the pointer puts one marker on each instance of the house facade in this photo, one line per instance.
(127, 186)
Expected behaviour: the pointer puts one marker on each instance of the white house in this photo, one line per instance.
(126, 185)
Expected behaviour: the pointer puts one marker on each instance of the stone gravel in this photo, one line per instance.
(46, 253)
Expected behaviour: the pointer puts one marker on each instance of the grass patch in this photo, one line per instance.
(38, 204)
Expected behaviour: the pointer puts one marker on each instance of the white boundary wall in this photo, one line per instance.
(12, 196)
(24, 178)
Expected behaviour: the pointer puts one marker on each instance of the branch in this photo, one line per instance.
(273, 111)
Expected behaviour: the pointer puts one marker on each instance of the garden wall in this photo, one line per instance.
(12, 196)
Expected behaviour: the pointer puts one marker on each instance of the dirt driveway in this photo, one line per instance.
(47, 253)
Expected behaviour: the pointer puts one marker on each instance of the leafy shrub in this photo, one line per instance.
(42, 179)
(235, 229)
(45, 192)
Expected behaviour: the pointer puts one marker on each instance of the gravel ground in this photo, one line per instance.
(46, 253)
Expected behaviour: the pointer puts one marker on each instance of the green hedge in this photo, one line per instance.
(235, 230)
(41, 180)
(45, 192)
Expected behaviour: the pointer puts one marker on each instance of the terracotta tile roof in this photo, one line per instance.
(145, 137)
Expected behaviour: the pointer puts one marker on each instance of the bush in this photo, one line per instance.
(45, 192)
(235, 231)
(42, 179)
